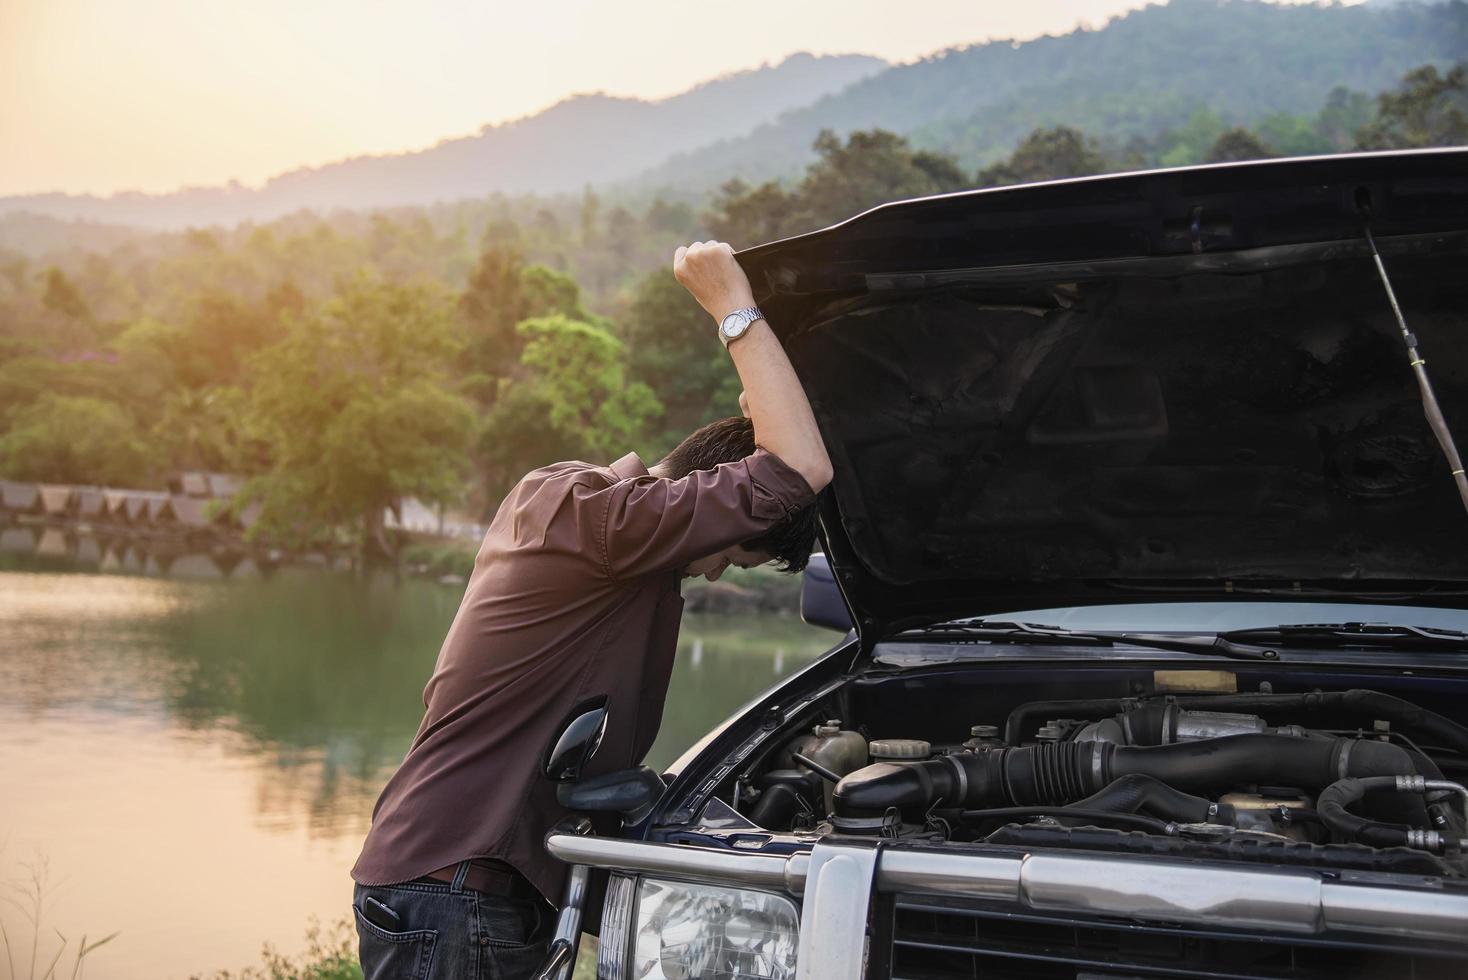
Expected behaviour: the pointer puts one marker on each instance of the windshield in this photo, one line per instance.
(1216, 617)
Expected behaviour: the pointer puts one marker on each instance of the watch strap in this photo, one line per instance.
(747, 316)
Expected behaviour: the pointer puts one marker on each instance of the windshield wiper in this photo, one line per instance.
(1258, 643)
(1343, 636)
(998, 631)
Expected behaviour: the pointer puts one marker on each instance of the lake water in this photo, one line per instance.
(193, 764)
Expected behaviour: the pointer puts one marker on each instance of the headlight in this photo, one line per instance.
(685, 931)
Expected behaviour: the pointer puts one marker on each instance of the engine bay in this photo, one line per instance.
(1191, 763)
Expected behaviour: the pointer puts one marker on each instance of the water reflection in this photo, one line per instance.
(76, 547)
(151, 728)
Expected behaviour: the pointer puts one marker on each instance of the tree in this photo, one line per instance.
(570, 399)
(580, 369)
(744, 215)
(355, 409)
(671, 218)
(203, 429)
(61, 296)
(1429, 109)
(671, 349)
(221, 332)
(148, 353)
(1235, 145)
(503, 291)
(75, 439)
(1189, 143)
(1341, 118)
(872, 167)
(590, 216)
(1046, 154)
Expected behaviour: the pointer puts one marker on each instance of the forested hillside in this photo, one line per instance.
(1151, 70)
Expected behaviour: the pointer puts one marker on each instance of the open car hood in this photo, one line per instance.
(1169, 385)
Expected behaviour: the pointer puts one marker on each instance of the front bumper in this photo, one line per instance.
(838, 882)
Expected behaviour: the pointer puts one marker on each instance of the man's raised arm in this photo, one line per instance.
(776, 403)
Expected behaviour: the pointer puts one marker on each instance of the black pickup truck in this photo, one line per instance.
(1148, 546)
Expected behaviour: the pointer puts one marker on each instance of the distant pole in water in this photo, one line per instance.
(697, 653)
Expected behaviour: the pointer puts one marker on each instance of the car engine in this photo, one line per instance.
(1349, 779)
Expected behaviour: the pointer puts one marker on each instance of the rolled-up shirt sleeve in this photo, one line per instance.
(651, 525)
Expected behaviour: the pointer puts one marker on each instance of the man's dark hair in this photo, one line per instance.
(790, 539)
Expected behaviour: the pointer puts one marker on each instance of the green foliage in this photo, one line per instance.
(668, 348)
(579, 370)
(503, 291)
(1237, 144)
(223, 330)
(1146, 72)
(1191, 142)
(31, 376)
(71, 439)
(440, 558)
(330, 955)
(61, 296)
(1428, 109)
(354, 405)
(870, 168)
(1046, 154)
(516, 438)
(204, 429)
(570, 399)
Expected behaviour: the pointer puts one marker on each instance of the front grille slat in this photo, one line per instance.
(979, 950)
(927, 938)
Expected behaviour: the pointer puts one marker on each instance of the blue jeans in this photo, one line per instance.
(448, 932)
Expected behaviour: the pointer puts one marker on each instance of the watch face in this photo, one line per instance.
(733, 325)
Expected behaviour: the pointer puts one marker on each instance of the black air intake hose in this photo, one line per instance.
(1280, 760)
(1053, 775)
(1362, 705)
(1138, 793)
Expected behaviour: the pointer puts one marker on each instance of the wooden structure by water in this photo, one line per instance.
(197, 503)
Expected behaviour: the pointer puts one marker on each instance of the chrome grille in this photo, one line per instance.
(936, 939)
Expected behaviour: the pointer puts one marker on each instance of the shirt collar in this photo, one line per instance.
(628, 467)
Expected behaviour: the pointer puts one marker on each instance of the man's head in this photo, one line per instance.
(788, 542)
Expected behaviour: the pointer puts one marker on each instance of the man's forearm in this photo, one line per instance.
(783, 421)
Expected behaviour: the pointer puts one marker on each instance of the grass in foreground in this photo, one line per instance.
(31, 903)
(331, 954)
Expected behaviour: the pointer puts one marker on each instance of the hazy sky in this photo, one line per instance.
(107, 95)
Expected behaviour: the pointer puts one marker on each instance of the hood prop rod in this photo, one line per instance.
(1430, 407)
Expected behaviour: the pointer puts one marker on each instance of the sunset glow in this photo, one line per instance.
(98, 96)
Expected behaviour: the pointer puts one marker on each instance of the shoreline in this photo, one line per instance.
(109, 548)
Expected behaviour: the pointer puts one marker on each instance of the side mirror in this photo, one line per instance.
(630, 792)
(579, 739)
(820, 598)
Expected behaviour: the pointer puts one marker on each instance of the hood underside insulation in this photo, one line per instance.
(1219, 427)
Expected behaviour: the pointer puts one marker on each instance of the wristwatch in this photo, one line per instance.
(733, 326)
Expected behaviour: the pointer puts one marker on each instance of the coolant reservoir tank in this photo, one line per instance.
(833, 747)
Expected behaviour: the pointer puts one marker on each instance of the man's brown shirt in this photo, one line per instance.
(574, 596)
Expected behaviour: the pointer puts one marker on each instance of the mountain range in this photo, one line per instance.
(583, 140)
(1144, 72)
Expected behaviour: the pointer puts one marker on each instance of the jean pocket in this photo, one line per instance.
(388, 955)
(509, 922)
